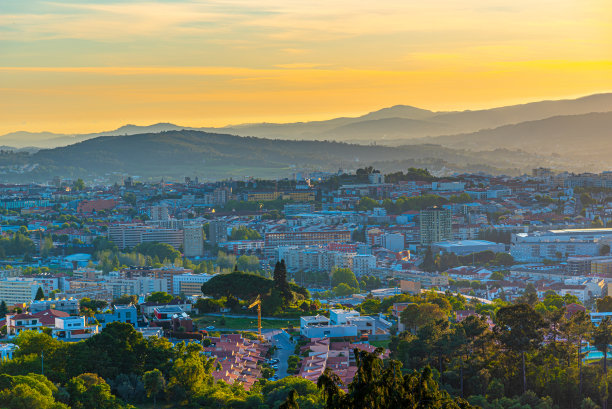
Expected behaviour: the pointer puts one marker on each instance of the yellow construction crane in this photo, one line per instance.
(257, 303)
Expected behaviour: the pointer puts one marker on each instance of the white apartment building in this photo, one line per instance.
(550, 244)
(137, 285)
(314, 258)
(189, 284)
(14, 290)
(131, 235)
(392, 241)
(363, 264)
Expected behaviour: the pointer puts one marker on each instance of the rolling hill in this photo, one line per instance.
(585, 136)
(174, 154)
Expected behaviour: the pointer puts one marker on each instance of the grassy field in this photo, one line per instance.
(382, 344)
(243, 323)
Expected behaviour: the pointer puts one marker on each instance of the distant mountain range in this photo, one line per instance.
(393, 126)
(568, 135)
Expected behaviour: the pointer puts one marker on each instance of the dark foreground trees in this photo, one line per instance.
(380, 386)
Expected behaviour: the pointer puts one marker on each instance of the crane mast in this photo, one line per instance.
(257, 303)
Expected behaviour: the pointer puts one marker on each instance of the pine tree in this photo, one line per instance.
(39, 294)
(3, 309)
(277, 274)
(428, 261)
(280, 280)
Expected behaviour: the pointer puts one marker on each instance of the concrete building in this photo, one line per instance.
(131, 235)
(363, 264)
(340, 323)
(292, 209)
(392, 241)
(189, 284)
(16, 323)
(303, 238)
(137, 285)
(435, 225)
(217, 231)
(70, 305)
(73, 329)
(602, 266)
(193, 240)
(14, 290)
(159, 213)
(558, 244)
(464, 247)
(120, 313)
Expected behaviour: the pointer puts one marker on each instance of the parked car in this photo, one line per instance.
(210, 327)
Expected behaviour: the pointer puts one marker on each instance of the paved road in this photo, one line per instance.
(284, 347)
(248, 316)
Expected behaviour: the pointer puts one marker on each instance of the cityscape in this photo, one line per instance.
(231, 204)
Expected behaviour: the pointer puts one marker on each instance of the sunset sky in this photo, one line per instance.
(86, 66)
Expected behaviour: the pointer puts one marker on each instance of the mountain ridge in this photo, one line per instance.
(419, 123)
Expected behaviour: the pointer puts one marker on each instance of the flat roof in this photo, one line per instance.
(466, 243)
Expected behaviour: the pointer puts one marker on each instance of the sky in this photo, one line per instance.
(75, 66)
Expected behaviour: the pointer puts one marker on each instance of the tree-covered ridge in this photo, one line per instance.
(176, 153)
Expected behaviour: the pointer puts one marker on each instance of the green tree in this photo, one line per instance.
(428, 264)
(291, 402)
(30, 391)
(604, 304)
(89, 391)
(366, 203)
(244, 233)
(46, 246)
(370, 306)
(602, 337)
(3, 309)
(160, 297)
(344, 276)
(39, 294)
(344, 290)
(579, 328)
(381, 386)
(154, 383)
(497, 276)
(206, 305)
(162, 251)
(519, 328)
(78, 184)
(186, 376)
(415, 315)
(280, 280)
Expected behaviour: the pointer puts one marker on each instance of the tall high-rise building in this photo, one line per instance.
(217, 231)
(159, 213)
(436, 225)
(193, 240)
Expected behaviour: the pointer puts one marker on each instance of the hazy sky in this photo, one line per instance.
(83, 65)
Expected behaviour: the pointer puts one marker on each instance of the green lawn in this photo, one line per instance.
(243, 323)
(382, 344)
